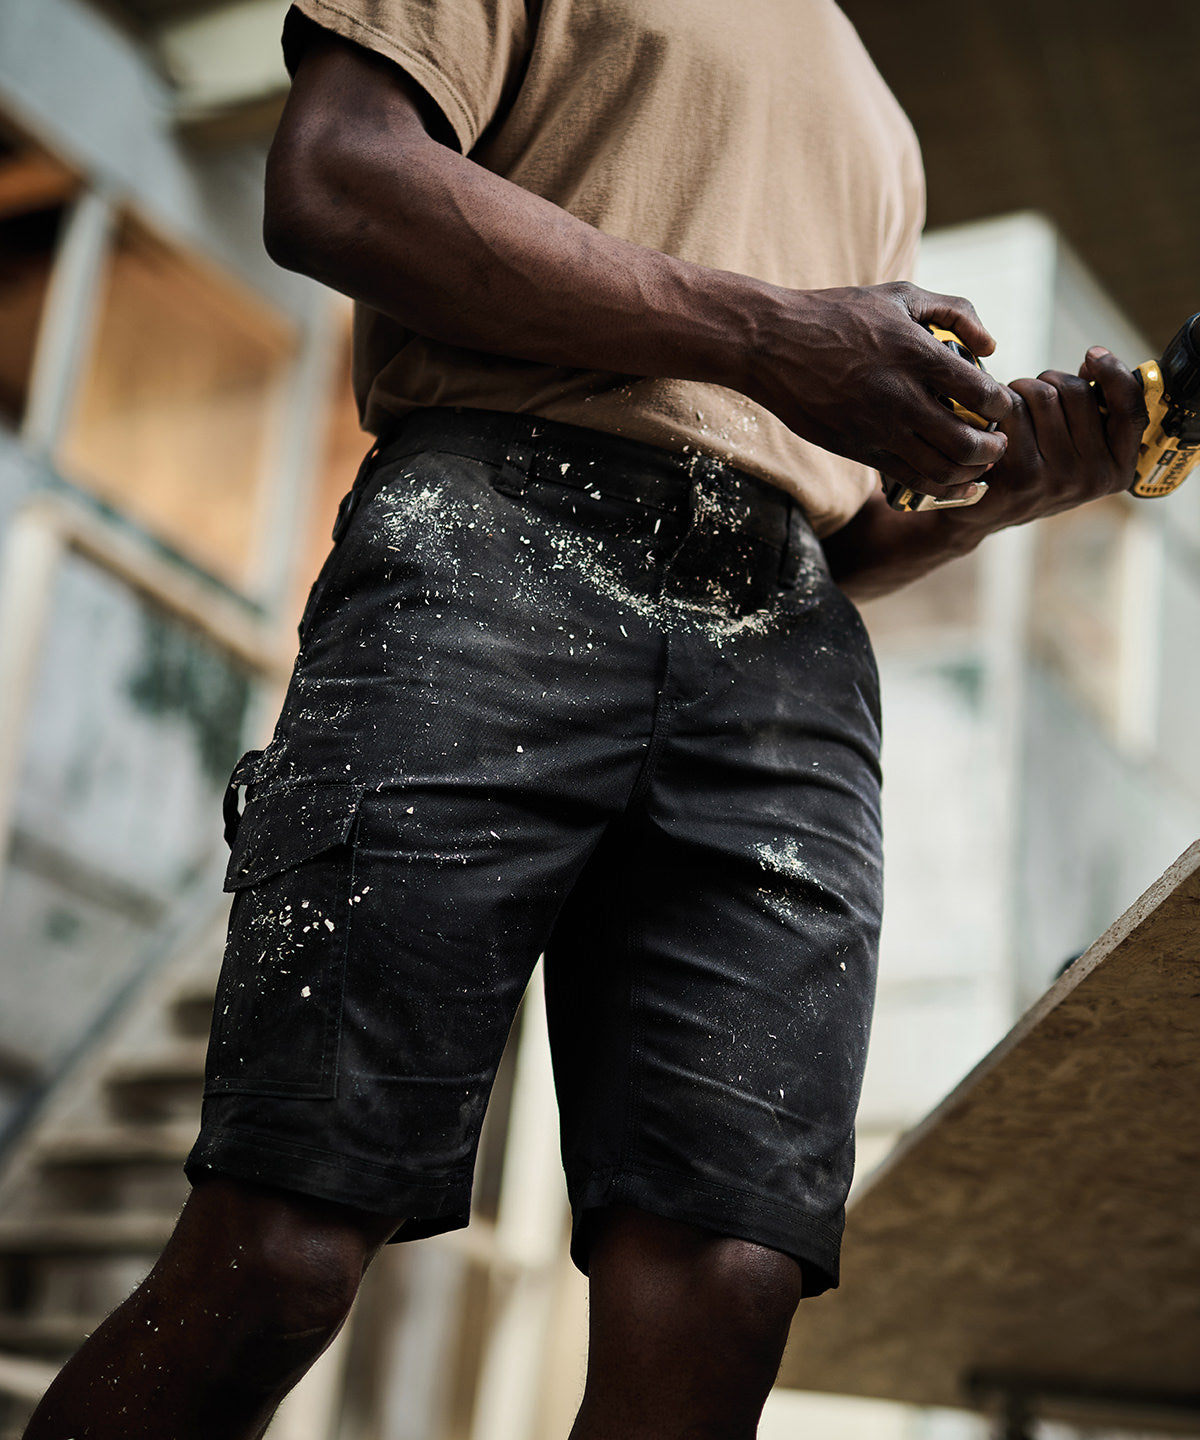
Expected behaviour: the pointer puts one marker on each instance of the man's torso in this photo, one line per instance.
(757, 138)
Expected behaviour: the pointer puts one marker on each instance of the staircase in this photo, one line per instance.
(91, 1192)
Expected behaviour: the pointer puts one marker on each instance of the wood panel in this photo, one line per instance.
(1043, 1222)
(30, 182)
(180, 395)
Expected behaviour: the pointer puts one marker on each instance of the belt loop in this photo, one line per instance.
(245, 772)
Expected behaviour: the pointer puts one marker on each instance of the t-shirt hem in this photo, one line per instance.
(439, 89)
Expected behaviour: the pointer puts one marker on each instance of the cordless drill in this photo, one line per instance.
(1170, 448)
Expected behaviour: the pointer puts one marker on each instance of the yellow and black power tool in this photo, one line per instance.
(1170, 448)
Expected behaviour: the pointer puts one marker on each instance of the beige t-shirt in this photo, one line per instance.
(747, 135)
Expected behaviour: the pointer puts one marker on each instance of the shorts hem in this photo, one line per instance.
(811, 1241)
(423, 1207)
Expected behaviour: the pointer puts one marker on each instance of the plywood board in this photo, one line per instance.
(1044, 1220)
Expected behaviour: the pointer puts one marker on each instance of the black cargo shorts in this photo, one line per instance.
(560, 692)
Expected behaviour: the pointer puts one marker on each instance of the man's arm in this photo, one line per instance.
(362, 196)
(1063, 450)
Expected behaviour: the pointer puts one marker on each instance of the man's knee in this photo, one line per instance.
(680, 1278)
(754, 1288)
(262, 1274)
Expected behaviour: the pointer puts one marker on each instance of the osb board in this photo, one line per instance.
(1044, 1220)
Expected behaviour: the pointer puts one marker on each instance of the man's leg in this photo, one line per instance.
(687, 1331)
(251, 1288)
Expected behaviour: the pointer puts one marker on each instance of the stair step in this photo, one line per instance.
(191, 1012)
(119, 1145)
(110, 1234)
(25, 1379)
(183, 1061)
(45, 1334)
(163, 1086)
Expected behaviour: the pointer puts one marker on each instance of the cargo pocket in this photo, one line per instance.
(278, 1011)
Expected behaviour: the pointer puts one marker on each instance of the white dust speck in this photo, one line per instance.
(305, 993)
(783, 857)
(329, 925)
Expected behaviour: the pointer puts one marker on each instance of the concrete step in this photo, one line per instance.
(191, 1012)
(45, 1335)
(107, 1234)
(164, 1143)
(23, 1379)
(161, 1086)
(182, 1060)
(73, 1283)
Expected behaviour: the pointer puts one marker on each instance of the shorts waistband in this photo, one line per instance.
(527, 448)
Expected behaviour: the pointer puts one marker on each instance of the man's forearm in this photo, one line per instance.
(461, 255)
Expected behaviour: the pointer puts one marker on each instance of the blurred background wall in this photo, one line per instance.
(175, 433)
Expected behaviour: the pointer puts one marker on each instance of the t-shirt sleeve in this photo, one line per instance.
(465, 54)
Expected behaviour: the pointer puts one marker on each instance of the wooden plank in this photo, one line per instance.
(1043, 1221)
(31, 181)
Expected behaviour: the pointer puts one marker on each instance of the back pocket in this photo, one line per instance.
(278, 1011)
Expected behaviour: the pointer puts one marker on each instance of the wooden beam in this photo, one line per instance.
(31, 181)
(1042, 1222)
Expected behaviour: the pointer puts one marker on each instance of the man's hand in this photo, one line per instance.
(1067, 443)
(855, 371)
(1063, 449)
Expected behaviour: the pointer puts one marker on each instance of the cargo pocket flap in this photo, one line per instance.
(281, 828)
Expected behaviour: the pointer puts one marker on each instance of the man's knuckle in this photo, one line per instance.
(946, 471)
(996, 396)
(968, 446)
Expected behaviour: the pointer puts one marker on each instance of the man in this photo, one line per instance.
(579, 678)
